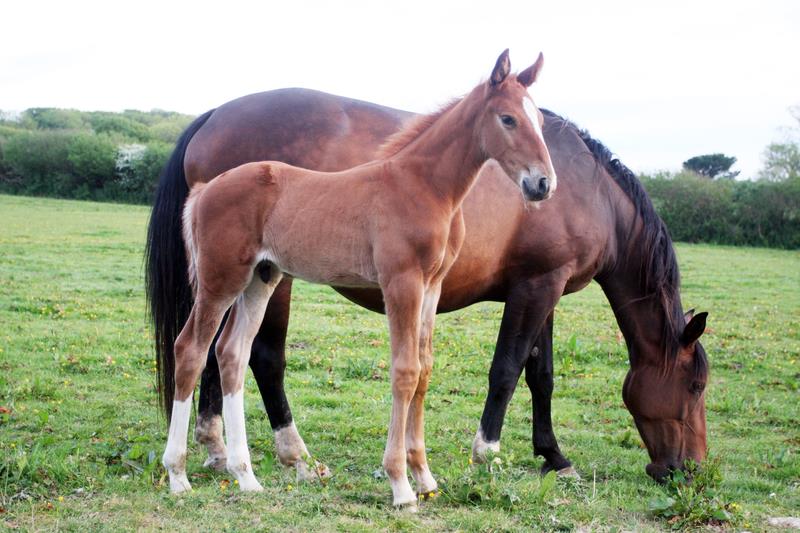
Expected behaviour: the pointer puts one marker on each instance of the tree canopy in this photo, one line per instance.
(711, 165)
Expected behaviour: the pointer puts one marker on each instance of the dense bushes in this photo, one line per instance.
(98, 155)
(757, 213)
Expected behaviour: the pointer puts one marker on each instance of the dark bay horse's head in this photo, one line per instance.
(668, 406)
(511, 130)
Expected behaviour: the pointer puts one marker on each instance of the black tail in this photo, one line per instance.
(168, 293)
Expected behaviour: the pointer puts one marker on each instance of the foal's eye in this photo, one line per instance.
(508, 121)
(697, 387)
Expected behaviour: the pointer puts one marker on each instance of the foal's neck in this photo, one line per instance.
(447, 155)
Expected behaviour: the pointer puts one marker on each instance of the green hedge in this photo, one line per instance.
(95, 155)
(754, 213)
(80, 165)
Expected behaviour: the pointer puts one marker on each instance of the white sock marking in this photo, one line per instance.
(236, 439)
(480, 447)
(402, 493)
(174, 458)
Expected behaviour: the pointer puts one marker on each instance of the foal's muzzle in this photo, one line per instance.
(535, 188)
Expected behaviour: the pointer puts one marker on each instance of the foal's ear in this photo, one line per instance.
(530, 74)
(501, 69)
(687, 316)
(694, 328)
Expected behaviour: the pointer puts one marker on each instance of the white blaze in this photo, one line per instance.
(533, 116)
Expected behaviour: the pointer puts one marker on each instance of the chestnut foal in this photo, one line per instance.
(394, 223)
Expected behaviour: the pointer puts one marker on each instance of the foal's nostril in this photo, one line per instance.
(535, 189)
(527, 189)
(543, 185)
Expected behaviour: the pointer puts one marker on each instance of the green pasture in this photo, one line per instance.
(81, 436)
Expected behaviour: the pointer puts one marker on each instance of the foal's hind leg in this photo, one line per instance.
(191, 347)
(233, 353)
(415, 435)
(208, 425)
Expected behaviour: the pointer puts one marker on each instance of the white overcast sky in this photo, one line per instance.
(657, 82)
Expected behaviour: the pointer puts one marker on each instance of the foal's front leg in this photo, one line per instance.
(403, 299)
(415, 435)
(233, 353)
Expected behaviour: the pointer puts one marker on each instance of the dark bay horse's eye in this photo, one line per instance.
(508, 121)
(697, 387)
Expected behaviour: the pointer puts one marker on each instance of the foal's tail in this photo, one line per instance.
(189, 237)
(169, 295)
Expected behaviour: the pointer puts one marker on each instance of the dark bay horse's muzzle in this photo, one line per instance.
(535, 188)
(660, 472)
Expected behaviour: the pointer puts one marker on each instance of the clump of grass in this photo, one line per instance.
(490, 484)
(692, 497)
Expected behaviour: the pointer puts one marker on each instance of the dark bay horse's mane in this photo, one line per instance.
(660, 277)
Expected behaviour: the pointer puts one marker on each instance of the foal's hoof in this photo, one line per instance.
(250, 485)
(430, 495)
(179, 485)
(404, 498)
(407, 507)
(216, 462)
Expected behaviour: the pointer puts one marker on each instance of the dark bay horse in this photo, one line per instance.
(599, 225)
(394, 224)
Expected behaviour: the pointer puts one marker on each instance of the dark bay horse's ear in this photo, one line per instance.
(687, 316)
(693, 330)
(529, 75)
(501, 69)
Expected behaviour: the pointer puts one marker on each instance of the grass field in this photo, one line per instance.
(81, 438)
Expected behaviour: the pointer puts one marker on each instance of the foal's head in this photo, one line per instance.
(511, 129)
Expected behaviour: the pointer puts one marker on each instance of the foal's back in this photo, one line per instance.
(318, 226)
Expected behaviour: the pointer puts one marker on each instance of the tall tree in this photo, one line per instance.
(782, 159)
(711, 165)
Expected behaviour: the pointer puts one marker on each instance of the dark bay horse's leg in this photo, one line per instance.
(539, 377)
(268, 357)
(527, 307)
(268, 362)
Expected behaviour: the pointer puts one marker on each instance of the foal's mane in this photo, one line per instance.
(413, 128)
(658, 265)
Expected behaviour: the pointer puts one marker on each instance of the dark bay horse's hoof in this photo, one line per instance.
(319, 472)
(566, 470)
(216, 462)
(569, 472)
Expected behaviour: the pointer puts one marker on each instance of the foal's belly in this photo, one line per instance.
(326, 269)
